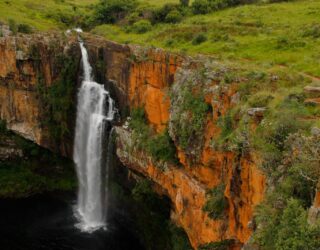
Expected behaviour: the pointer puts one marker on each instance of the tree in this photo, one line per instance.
(184, 2)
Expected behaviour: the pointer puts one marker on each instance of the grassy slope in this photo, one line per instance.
(266, 34)
(36, 13)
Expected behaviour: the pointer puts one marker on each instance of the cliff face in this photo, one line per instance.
(142, 78)
(25, 61)
(139, 77)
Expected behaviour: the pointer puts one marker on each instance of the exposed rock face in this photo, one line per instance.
(24, 61)
(142, 77)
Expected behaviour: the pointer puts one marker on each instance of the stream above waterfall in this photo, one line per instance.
(46, 222)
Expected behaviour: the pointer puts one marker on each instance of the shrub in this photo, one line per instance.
(110, 11)
(184, 3)
(201, 7)
(173, 16)
(25, 28)
(141, 130)
(219, 245)
(141, 26)
(195, 108)
(286, 228)
(159, 15)
(161, 147)
(216, 202)
(200, 38)
(312, 31)
(3, 126)
(260, 100)
(179, 239)
(13, 26)
(57, 99)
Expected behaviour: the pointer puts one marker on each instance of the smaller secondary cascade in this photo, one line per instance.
(94, 110)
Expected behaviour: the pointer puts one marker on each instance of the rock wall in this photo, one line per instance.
(24, 61)
(141, 77)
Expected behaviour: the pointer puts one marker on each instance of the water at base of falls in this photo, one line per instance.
(92, 117)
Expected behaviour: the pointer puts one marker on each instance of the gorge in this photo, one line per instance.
(183, 131)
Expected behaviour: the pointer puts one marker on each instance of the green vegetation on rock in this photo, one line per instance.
(159, 146)
(216, 202)
(34, 170)
(57, 100)
(151, 215)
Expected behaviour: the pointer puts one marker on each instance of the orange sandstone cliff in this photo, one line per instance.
(142, 77)
(25, 61)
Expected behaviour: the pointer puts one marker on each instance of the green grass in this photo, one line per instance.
(40, 14)
(284, 34)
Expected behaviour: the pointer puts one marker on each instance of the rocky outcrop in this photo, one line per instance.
(26, 60)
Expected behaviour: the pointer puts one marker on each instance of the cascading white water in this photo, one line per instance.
(92, 117)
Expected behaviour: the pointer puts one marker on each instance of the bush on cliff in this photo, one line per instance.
(141, 26)
(216, 202)
(57, 100)
(159, 146)
(37, 170)
(189, 122)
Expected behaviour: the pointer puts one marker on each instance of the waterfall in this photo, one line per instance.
(92, 118)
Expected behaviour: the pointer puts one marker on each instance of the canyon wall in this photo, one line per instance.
(26, 62)
(142, 77)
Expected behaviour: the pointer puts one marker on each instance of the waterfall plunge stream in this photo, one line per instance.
(92, 117)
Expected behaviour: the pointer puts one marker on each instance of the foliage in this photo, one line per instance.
(184, 3)
(141, 26)
(191, 117)
(13, 26)
(246, 32)
(161, 14)
(173, 16)
(200, 38)
(110, 11)
(3, 126)
(283, 214)
(159, 146)
(216, 202)
(58, 99)
(220, 245)
(287, 228)
(25, 28)
(260, 100)
(19, 179)
(179, 239)
(201, 7)
(37, 171)
(151, 215)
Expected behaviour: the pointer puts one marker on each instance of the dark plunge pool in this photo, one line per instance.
(47, 222)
